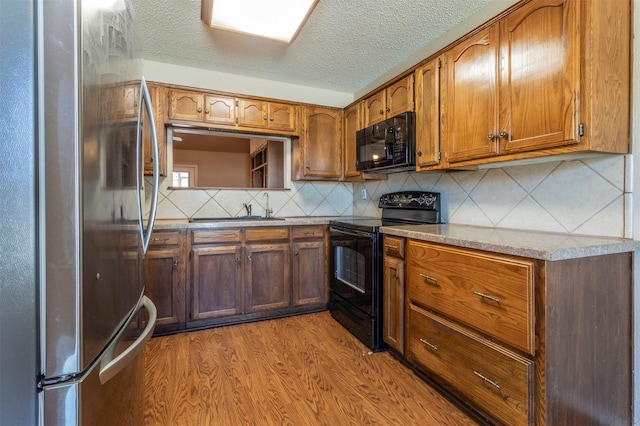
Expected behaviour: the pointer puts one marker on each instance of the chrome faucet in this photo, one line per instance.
(247, 207)
(267, 211)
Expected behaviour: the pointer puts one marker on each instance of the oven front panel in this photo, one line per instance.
(353, 263)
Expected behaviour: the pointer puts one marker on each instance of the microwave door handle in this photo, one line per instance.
(388, 142)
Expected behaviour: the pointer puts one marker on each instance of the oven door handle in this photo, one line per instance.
(353, 232)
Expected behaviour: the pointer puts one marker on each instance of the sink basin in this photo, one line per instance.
(232, 219)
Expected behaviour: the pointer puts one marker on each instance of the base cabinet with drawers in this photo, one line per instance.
(206, 277)
(522, 341)
(165, 279)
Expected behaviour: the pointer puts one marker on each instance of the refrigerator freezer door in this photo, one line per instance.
(90, 400)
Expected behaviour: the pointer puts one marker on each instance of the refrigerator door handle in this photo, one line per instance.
(145, 102)
(115, 365)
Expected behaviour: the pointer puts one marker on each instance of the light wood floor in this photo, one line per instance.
(301, 370)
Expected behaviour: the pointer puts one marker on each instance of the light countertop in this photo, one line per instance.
(531, 244)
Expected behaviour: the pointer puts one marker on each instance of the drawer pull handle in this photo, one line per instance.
(160, 239)
(392, 247)
(429, 279)
(487, 297)
(491, 382)
(429, 345)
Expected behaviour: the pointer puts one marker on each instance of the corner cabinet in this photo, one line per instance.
(310, 279)
(165, 279)
(549, 75)
(317, 154)
(523, 341)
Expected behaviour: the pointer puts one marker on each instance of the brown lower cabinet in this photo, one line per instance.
(522, 341)
(206, 277)
(165, 269)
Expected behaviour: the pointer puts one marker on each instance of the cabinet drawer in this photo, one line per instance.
(300, 232)
(212, 236)
(491, 377)
(160, 238)
(489, 292)
(394, 246)
(264, 234)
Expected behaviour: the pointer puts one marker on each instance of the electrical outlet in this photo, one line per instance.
(364, 193)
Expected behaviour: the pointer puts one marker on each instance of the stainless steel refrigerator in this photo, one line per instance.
(76, 213)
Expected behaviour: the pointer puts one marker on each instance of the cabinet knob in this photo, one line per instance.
(238, 259)
(249, 258)
(419, 153)
(206, 111)
(388, 109)
(264, 117)
(297, 254)
(490, 136)
(502, 134)
(397, 277)
(381, 112)
(175, 263)
(271, 118)
(199, 109)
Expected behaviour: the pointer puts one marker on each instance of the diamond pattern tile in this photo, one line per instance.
(494, 203)
(573, 193)
(584, 196)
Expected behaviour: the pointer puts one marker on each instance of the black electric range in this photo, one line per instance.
(356, 261)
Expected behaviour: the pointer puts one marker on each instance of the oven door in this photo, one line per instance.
(353, 254)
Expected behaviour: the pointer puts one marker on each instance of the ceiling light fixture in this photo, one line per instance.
(275, 19)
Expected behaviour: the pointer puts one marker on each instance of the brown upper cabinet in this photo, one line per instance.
(186, 105)
(352, 123)
(198, 106)
(388, 102)
(157, 94)
(194, 106)
(317, 155)
(263, 114)
(550, 74)
(427, 79)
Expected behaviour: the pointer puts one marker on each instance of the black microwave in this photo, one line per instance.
(388, 146)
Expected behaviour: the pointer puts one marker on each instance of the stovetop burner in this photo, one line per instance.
(398, 208)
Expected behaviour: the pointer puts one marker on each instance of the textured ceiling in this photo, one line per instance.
(344, 46)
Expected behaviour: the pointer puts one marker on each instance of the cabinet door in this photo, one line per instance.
(216, 284)
(393, 303)
(428, 114)
(472, 97)
(184, 105)
(220, 110)
(282, 116)
(322, 143)
(252, 113)
(399, 97)
(268, 277)
(158, 100)
(352, 124)
(375, 108)
(131, 97)
(309, 273)
(539, 81)
(164, 285)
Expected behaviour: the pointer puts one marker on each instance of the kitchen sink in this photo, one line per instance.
(232, 219)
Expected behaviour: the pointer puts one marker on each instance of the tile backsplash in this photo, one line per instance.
(302, 199)
(582, 197)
